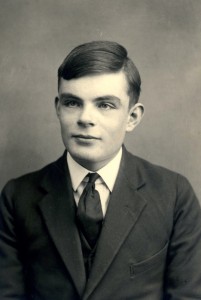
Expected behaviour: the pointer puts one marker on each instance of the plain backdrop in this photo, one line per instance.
(162, 37)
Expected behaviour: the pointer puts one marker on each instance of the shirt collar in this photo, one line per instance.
(108, 173)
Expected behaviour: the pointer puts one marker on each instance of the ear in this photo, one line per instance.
(56, 104)
(135, 115)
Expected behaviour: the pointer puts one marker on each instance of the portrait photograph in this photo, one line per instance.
(100, 133)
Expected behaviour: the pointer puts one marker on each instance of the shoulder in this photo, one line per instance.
(21, 196)
(148, 169)
(30, 183)
(160, 185)
(156, 177)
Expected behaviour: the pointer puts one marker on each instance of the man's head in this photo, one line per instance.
(101, 57)
(97, 102)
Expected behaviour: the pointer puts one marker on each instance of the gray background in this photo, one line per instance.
(162, 37)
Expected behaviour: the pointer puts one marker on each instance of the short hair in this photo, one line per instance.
(100, 57)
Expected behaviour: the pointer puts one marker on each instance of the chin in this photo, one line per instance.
(85, 155)
(87, 158)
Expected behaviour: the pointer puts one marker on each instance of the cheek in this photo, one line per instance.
(66, 121)
(65, 130)
(117, 125)
(115, 133)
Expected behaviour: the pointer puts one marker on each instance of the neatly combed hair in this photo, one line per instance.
(101, 57)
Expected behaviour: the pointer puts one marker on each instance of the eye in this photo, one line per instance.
(106, 106)
(71, 103)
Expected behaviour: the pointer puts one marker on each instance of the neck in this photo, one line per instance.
(95, 166)
(91, 165)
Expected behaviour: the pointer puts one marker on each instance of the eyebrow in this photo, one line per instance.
(108, 97)
(101, 98)
(69, 95)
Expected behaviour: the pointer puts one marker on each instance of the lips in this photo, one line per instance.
(85, 137)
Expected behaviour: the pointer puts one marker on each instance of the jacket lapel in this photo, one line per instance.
(124, 209)
(58, 210)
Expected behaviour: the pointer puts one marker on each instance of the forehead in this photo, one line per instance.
(96, 85)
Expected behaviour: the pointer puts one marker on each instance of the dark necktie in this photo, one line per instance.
(89, 212)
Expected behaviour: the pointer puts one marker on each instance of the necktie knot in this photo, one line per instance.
(92, 177)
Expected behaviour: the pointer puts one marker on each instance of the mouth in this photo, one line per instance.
(85, 137)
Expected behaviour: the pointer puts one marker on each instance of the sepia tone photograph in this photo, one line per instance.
(100, 139)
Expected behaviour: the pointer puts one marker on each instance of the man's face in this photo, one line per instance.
(94, 116)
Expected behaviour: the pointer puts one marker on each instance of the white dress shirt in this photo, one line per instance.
(104, 184)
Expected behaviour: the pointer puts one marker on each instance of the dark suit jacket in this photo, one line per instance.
(149, 248)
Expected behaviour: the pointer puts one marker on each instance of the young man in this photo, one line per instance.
(99, 223)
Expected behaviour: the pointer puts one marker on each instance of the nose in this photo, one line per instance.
(86, 117)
